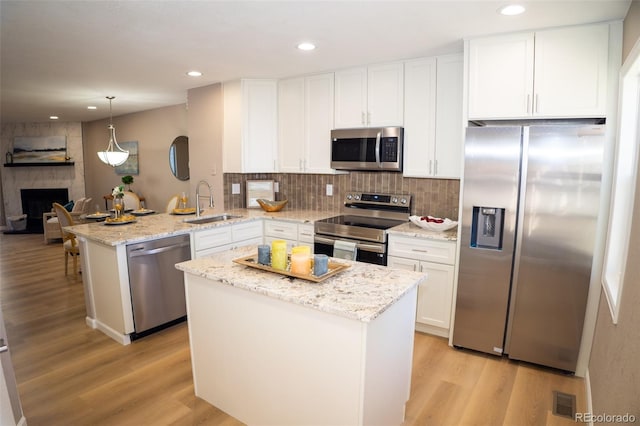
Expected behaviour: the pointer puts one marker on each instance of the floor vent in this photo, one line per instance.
(564, 405)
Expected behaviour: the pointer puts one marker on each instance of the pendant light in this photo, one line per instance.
(113, 155)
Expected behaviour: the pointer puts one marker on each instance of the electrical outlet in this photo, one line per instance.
(235, 188)
(276, 187)
(329, 190)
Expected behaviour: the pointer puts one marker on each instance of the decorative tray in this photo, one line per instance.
(121, 220)
(252, 261)
(188, 210)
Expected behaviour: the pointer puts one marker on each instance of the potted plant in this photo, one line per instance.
(127, 180)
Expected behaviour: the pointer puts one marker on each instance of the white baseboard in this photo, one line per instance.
(587, 394)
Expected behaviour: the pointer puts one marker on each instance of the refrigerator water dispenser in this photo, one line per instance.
(486, 227)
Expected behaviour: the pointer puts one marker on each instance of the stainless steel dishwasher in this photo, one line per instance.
(157, 287)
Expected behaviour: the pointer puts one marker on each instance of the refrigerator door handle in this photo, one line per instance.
(519, 225)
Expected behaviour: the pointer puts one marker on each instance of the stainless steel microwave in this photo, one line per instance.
(373, 149)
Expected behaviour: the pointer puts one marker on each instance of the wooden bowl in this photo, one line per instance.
(271, 206)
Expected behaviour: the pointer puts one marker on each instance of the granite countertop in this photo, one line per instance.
(362, 292)
(166, 225)
(410, 230)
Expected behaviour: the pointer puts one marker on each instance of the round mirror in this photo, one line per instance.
(179, 157)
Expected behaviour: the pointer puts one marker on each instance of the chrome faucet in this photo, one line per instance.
(198, 196)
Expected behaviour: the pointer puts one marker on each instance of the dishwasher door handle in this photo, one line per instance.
(144, 252)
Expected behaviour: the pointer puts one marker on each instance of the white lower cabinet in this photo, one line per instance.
(294, 234)
(223, 238)
(435, 296)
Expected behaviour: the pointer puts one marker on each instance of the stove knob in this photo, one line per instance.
(357, 197)
(403, 201)
(349, 196)
(394, 200)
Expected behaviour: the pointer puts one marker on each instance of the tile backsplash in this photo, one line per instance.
(436, 197)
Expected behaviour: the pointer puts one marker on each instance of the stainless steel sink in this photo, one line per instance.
(211, 219)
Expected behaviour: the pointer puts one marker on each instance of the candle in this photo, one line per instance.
(300, 263)
(320, 264)
(302, 255)
(279, 254)
(264, 254)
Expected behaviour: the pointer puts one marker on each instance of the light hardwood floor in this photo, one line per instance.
(69, 374)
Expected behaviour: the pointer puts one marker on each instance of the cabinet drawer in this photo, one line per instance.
(422, 249)
(284, 230)
(212, 238)
(305, 233)
(247, 231)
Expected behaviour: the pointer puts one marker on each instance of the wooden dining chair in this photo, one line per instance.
(70, 243)
(172, 204)
(131, 201)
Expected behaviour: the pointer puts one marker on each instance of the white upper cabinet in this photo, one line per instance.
(433, 123)
(305, 116)
(369, 97)
(571, 72)
(250, 126)
(559, 73)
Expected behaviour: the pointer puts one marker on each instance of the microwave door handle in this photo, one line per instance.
(378, 149)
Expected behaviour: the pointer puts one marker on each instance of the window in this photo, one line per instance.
(624, 183)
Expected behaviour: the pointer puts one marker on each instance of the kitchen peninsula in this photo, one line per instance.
(105, 269)
(270, 349)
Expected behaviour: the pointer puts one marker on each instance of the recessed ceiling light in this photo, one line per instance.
(511, 10)
(53, 117)
(92, 107)
(306, 46)
(194, 73)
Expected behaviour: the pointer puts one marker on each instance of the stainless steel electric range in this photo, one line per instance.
(364, 222)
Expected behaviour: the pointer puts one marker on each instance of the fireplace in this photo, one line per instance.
(37, 201)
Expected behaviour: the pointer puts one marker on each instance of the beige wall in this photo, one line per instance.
(154, 130)
(205, 140)
(614, 367)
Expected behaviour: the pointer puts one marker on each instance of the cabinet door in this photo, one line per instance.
(248, 231)
(318, 122)
(259, 125)
(385, 95)
(350, 98)
(501, 76)
(419, 117)
(571, 71)
(291, 125)
(435, 295)
(449, 137)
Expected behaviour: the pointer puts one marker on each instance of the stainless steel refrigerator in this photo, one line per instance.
(531, 196)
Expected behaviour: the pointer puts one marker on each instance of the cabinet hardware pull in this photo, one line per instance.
(420, 250)
(435, 168)
(362, 118)
(536, 103)
(3, 347)
(528, 103)
(368, 118)
(430, 167)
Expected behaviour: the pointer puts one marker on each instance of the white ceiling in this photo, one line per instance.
(58, 57)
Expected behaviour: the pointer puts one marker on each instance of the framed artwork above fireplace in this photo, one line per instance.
(40, 149)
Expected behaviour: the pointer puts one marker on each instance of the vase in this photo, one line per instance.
(118, 207)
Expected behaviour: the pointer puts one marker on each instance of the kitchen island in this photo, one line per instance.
(270, 349)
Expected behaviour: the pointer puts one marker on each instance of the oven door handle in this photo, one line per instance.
(375, 248)
(378, 135)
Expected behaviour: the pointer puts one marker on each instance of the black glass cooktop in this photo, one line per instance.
(363, 222)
